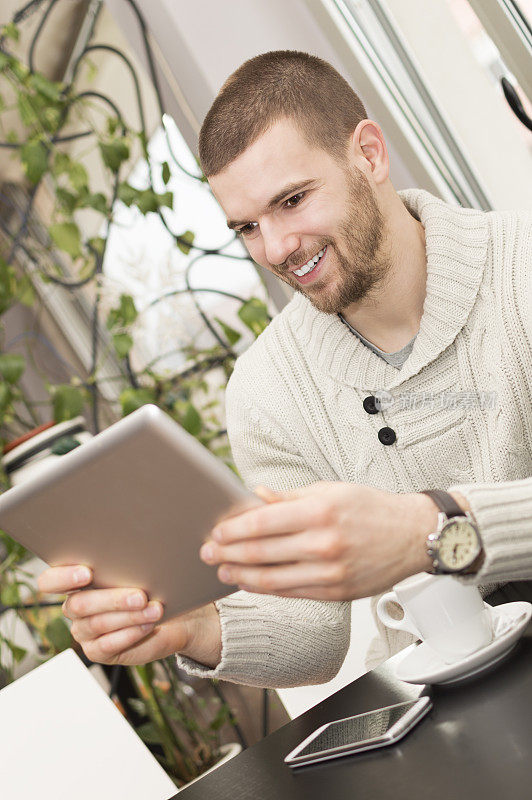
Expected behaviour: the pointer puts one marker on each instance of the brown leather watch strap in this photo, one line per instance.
(445, 502)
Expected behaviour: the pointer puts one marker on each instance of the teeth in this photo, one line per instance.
(306, 268)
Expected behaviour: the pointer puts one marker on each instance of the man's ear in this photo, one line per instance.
(369, 150)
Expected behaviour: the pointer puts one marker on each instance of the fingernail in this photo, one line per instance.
(152, 612)
(135, 600)
(147, 627)
(225, 575)
(81, 575)
(206, 553)
(217, 534)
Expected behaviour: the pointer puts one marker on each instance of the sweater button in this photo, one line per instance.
(387, 435)
(369, 405)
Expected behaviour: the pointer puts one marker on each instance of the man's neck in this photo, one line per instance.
(390, 317)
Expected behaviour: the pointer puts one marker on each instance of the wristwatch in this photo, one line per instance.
(455, 546)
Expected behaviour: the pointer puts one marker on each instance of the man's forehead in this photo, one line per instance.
(278, 159)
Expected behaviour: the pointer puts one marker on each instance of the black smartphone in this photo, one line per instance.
(378, 728)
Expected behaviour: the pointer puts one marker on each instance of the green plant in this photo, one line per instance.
(39, 118)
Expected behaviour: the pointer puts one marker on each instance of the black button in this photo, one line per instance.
(370, 405)
(387, 436)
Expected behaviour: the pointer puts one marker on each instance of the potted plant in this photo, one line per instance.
(180, 721)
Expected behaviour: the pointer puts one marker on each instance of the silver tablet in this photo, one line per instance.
(135, 504)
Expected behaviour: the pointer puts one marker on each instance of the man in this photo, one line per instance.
(403, 364)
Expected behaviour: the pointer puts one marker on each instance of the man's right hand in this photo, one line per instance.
(112, 631)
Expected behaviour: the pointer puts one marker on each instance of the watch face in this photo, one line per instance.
(459, 544)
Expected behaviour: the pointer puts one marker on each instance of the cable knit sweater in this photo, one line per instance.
(461, 408)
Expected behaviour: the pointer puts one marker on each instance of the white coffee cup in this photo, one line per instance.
(446, 614)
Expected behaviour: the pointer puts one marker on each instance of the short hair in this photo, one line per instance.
(272, 86)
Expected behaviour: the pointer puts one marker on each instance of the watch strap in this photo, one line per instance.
(445, 502)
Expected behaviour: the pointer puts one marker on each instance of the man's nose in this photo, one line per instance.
(279, 243)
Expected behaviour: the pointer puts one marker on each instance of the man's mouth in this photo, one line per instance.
(311, 265)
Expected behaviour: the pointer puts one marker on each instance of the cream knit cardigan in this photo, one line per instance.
(295, 416)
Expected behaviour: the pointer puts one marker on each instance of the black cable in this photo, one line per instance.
(265, 712)
(233, 722)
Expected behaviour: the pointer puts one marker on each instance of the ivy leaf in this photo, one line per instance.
(149, 733)
(66, 199)
(147, 201)
(67, 402)
(122, 343)
(191, 419)
(231, 335)
(10, 595)
(11, 31)
(8, 285)
(254, 315)
(124, 315)
(97, 243)
(58, 634)
(6, 397)
(114, 153)
(184, 242)
(18, 652)
(77, 175)
(96, 201)
(67, 237)
(25, 291)
(12, 365)
(26, 110)
(127, 194)
(61, 163)
(131, 399)
(34, 156)
(49, 89)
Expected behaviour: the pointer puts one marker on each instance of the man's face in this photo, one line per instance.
(291, 203)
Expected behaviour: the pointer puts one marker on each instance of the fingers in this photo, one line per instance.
(288, 516)
(88, 628)
(239, 508)
(132, 646)
(60, 580)
(137, 644)
(288, 576)
(303, 546)
(98, 601)
(308, 592)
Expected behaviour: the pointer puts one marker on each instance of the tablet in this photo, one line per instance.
(134, 503)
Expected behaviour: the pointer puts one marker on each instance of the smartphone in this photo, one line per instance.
(367, 731)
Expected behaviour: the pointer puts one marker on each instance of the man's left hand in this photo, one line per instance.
(326, 541)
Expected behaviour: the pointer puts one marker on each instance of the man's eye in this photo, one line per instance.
(295, 200)
(247, 230)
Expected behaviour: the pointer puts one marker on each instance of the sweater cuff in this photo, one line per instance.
(503, 512)
(267, 640)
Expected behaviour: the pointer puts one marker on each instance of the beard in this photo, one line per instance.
(357, 250)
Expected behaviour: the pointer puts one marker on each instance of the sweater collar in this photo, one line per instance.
(456, 245)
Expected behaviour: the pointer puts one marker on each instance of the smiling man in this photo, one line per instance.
(402, 365)
(388, 373)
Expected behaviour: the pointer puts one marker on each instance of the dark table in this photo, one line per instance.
(475, 743)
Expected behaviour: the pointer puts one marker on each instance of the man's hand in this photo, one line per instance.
(327, 541)
(119, 626)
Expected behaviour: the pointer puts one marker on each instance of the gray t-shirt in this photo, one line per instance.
(396, 359)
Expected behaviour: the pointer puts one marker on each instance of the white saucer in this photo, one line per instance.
(423, 665)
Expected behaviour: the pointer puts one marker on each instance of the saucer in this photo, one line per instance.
(424, 665)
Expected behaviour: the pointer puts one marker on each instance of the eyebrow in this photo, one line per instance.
(289, 189)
